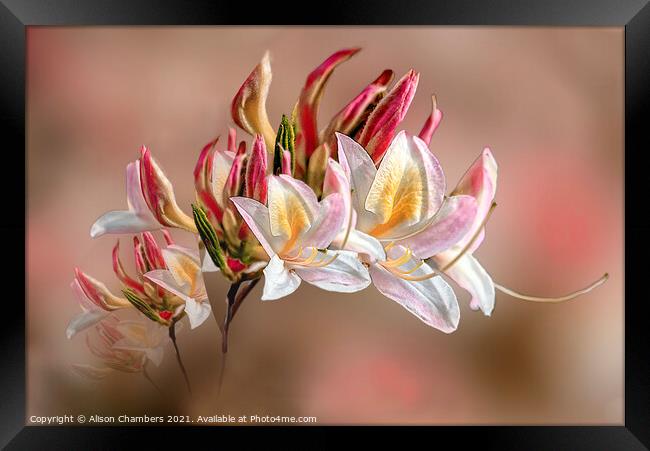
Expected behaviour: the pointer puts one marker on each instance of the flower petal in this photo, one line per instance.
(97, 292)
(185, 269)
(360, 172)
(256, 171)
(432, 122)
(328, 223)
(480, 182)
(469, 274)
(90, 371)
(408, 190)
(257, 218)
(278, 281)
(249, 104)
(122, 222)
(208, 265)
(345, 274)
(84, 320)
(450, 224)
(309, 101)
(159, 194)
(432, 300)
(368, 247)
(221, 165)
(134, 196)
(164, 278)
(197, 312)
(292, 207)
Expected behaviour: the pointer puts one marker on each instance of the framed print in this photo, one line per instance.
(417, 216)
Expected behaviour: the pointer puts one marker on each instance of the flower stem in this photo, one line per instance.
(146, 375)
(172, 335)
(234, 300)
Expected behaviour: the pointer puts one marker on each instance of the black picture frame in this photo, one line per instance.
(633, 15)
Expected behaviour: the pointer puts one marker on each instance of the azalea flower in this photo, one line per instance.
(139, 336)
(220, 174)
(183, 278)
(95, 300)
(150, 200)
(125, 346)
(401, 203)
(295, 231)
(101, 342)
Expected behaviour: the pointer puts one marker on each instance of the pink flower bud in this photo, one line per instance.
(309, 101)
(432, 122)
(256, 171)
(384, 119)
(249, 105)
(159, 194)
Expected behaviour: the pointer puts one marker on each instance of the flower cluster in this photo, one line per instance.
(353, 203)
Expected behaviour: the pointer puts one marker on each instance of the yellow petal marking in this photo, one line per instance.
(398, 195)
(184, 270)
(288, 214)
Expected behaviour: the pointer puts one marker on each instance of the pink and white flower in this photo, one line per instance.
(295, 231)
(399, 214)
(150, 200)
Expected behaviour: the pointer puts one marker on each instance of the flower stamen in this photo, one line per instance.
(322, 263)
(349, 229)
(400, 260)
(567, 297)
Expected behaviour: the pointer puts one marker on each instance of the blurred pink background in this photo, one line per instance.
(548, 101)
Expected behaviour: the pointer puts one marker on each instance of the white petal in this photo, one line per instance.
(208, 265)
(221, 164)
(138, 218)
(84, 320)
(166, 280)
(278, 281)
(345, 274)
(90, 371)
(256, 216)
(192, 253)
(469, 274)
(367, 246)
(408, 190)
(361, 171)
(134, 197)
(155, 354)
(122, 222)
(184, 268)
(197, 312)
(432, 300)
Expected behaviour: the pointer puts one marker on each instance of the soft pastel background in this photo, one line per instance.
(548, 101)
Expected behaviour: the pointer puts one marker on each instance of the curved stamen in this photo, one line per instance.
(569, 296)
(311, 258)
(430, 275)
(294, 257)
(412, 270)
(399, 261)
(349, 229)
(390, 246)
(322, 263)
(471, 242)
(405, 274)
